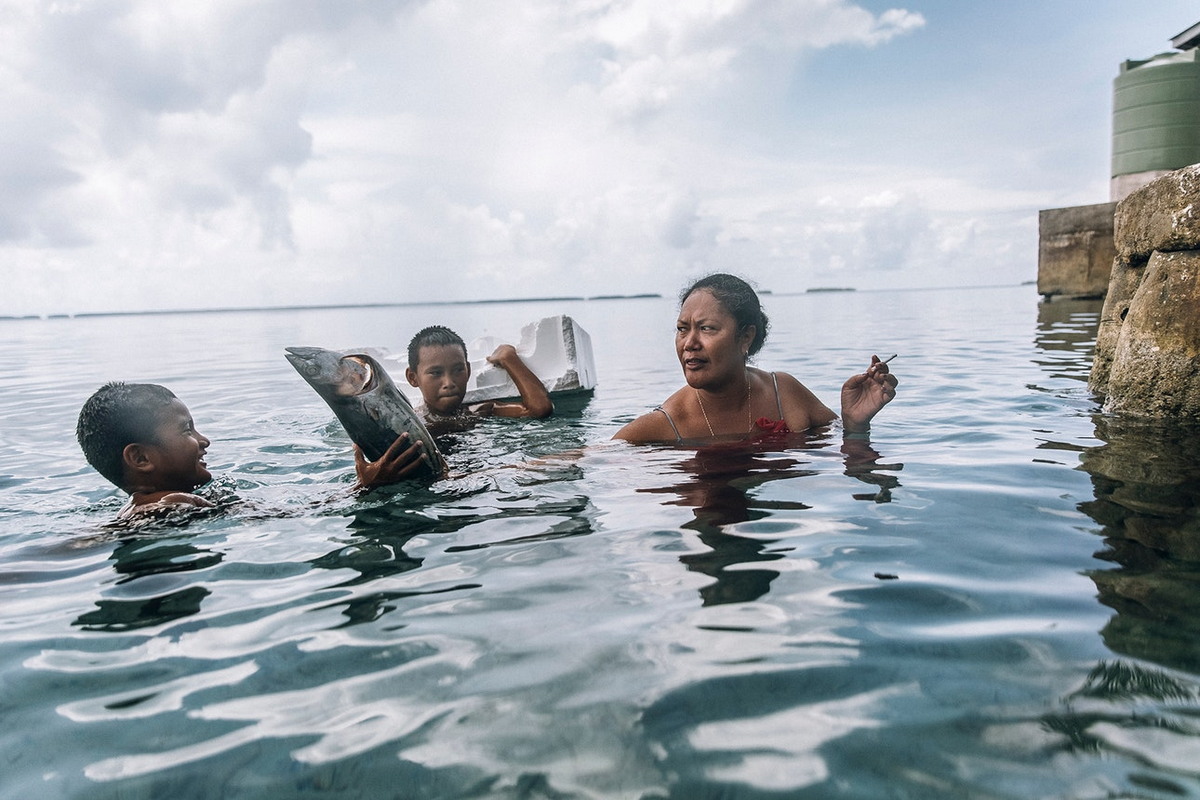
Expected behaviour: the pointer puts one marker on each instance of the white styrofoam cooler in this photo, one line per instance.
(557, 349)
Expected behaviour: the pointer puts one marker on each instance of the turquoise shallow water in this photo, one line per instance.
(996, 599)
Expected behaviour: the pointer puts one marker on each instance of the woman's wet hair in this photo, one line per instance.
(739, 299)
(116, 415)
(433, 336)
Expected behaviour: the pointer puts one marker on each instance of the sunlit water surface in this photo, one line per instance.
(997, 598)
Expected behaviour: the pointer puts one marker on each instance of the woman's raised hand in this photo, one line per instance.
(865, 394)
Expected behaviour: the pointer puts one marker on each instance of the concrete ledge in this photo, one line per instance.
(1075, 250)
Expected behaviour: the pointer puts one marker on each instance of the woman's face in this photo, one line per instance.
(710, 348)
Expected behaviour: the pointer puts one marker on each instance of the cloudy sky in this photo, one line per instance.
(259, 152)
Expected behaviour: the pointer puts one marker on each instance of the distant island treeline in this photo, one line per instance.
(334, 306)
(417, 303)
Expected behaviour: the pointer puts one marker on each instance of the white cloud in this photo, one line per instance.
(662, 52)
(306, 151)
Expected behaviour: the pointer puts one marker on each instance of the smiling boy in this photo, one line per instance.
(141, 437)
(438, 366)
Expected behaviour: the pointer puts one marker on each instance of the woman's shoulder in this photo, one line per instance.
(656, 425)
(786, 382)
(653, 426)
(802, 408)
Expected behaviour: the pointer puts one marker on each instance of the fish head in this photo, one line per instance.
(334, 374)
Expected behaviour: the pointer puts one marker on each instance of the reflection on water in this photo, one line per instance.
(1067, 330)
(719, 485)
(377, 554)
(137, 559)
(1145, 477)
(1146, 480)
(862, 463)
(1147, 483)
(394, 517)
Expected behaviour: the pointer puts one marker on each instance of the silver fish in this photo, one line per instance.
(365, 400)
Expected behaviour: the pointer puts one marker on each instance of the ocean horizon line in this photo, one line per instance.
(328, 306)
(485, 301)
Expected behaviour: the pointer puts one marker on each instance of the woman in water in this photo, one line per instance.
(721, 325)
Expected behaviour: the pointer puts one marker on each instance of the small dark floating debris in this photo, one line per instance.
(886, 576)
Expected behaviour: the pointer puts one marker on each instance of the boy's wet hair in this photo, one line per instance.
(739, 299)
(116, 415)
(433, 336)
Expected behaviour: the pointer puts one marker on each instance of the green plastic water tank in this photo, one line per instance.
(1156, 114)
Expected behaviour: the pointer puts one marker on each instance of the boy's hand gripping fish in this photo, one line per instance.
(365, 400)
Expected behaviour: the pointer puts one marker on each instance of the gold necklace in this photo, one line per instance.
(749, 418)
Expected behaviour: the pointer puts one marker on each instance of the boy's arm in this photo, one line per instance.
(535, 401)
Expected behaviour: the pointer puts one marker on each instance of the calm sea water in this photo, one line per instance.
(998, 599)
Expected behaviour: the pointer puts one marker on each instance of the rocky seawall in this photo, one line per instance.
(1147, 359)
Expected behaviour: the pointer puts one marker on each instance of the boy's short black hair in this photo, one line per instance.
(116, 415)
(433, 336)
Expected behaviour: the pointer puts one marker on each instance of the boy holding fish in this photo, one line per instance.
(438, 366)
(141, 437)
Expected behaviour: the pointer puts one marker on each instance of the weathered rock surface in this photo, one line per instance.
(1155, 367)
(1163, 215)
(1121, 286)
(1147, 358)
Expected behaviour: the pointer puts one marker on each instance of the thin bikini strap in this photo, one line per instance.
(778, 401)
(678, 438)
